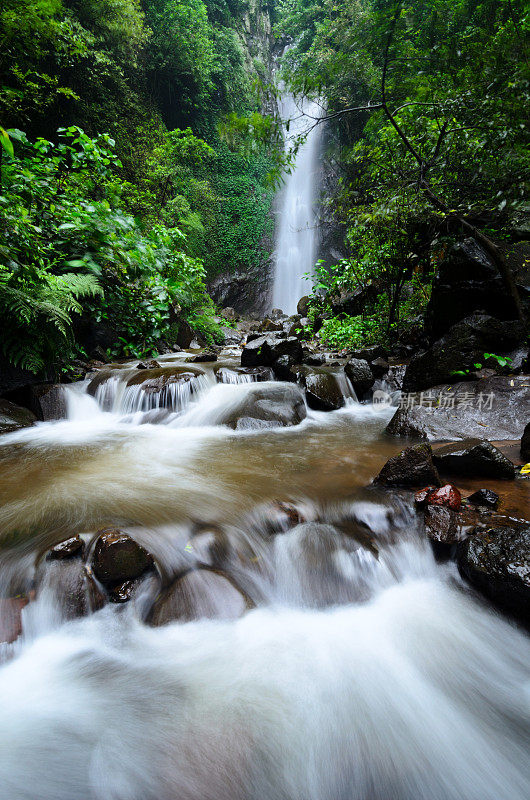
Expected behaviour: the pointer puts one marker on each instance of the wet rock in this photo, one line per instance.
(313, 359)
(360, 375)
(277, 404)
(421, 497)
(185, 334)
(48, 401)
(118, 558)
(201, 594)
(525, 444)
(484, 497)
(496, 407)
(70, 548)
(354, 303)
(441, 524)
(303, 306)
(475, 458)
(269, 325)
(285, 369)
(13, 417)
(153, 364)
(323, 392)
(412, 467)
(379, 367)
(265, 350)
(466, 281)
(497, 563)
(459, 349)
(370, 353)
(231, 336)
(285, 515)
(277, 313)
(154, 380)
(207, 355)
(447, 496)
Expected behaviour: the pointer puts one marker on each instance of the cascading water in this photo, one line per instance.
(296, 243)
(348, 665)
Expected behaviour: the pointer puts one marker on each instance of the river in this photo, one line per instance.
(359, 668)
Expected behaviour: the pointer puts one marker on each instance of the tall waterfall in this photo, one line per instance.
(296, 237)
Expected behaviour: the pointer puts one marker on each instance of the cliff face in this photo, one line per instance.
(250, 290)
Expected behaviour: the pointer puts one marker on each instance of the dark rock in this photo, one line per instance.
(13, 417)
(265, 350)
(441, 524)
(228, 313)
(461, 347)
(323, 391)
(48, 401)
(201, 594)
(313, 359)
(285, 369)
(11, 617)
(277, 313)
(525, 444)
(360, 375)
(303, 306)
(185, 334)
(118, 558)
(379, 367)
(269, 325)
(275, 404)
(447, 496)
(70, 548)
(354, 303)
(484, 497)
(475, 458)
(412, 467)
(152, 380)
(370, 353)
(207, 355)
(496, 407)
(242, 290)
(497, 563)
(466, 281)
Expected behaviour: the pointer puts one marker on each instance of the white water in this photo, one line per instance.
(359, 676)
(296, 243)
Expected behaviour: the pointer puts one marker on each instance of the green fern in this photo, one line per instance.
(37, 315)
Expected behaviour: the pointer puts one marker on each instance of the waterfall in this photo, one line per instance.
(296, 241)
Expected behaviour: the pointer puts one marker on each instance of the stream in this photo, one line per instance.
(356, 668)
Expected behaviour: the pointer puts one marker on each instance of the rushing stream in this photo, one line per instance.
(357, 668)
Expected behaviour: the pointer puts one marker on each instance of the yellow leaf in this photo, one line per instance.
(525, 470)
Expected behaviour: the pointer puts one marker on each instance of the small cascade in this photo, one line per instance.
(296, 244)
(248, 375)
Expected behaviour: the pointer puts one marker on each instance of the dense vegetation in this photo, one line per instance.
(427, 105)
(119, 196)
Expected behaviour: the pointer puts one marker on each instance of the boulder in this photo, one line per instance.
(360, 375)
(355, 302)
(265, 350)
(11, 618)
(13, 417)
(285, 369)
(422, 495)
(231, 336)
(497, 563)
(412, 467)
(302, 306)
(466, 281)
(459, 349)
(155, 380)
(265, 406)
(185, 334)
(525, 443)
(484, 497)
(496, 407)
(379, 367)
(208, 355)
(118, 558)
(48, 401)
(475, 458)
(370, 353)
(441, 524)
(200, 594)
(269, 325)
(323, 391)
(228, 313)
